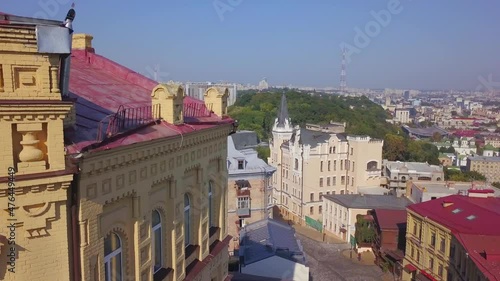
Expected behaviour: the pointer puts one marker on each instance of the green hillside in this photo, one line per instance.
(256, 111)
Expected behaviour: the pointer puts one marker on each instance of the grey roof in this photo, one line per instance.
(283, 112)
(426, 132)
(245, 139)
(412, 167)
(485, 158)
(369, 201)
(312, 137)
(266, 238)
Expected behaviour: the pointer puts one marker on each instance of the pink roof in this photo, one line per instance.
(484, 251)
(390, 219)
(469, 215)
(101, 86)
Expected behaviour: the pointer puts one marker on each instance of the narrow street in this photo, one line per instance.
(326, 262)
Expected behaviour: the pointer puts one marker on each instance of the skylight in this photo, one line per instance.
(471, 217)
(456, 211)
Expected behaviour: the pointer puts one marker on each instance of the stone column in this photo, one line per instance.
(31, 156)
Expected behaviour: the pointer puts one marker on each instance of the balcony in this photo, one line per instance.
(373, 172)
(243, 212)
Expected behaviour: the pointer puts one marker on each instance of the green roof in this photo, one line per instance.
(490, 147)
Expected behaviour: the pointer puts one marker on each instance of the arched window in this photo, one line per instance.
(372, 165)
(157, 241)
(210, 205)
(112, 258)
(187, 219)
(438, 179)
(403, 179)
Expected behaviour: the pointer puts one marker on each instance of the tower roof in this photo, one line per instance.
(283, 112)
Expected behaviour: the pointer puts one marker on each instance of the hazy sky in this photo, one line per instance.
(444, 44)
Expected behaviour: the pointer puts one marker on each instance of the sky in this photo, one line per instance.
(404, 44)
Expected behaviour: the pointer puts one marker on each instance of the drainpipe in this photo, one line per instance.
(66, 59)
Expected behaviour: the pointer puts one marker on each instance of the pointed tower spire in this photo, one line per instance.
(283, 118)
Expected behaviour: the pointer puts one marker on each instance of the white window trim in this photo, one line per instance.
(107, 260)
(156, 227)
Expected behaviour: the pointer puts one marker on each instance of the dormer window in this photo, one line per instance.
(241, 164)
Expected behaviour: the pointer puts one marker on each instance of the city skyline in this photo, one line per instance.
(390, 44)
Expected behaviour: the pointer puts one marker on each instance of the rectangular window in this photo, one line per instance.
(321, 166)
(311, 210)
(433, 239)
(311, 198)
(342, 180)
(352, 181)
(335, 165)
(442, 245)
(243, 202)
(353, 166)
(320, 210)
(241, 164)
(341, 165)
(418, 256)
(321, 182)
(431, 264)
(440, 270)
(352, 150)
(329, 166)
(328, 181)
(412, 252)
(334, 181)
(321, 196)
(415, 228)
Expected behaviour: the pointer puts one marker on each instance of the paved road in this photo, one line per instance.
(326, 262)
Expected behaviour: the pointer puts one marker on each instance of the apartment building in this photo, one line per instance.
(341, 211)
(197, 90)
(116, 177)
(452, 238)
(492, 140)
(398, 173)
(488, 166)
(318, 160)
(249, 184)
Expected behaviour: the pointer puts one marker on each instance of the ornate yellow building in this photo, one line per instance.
(117, 178)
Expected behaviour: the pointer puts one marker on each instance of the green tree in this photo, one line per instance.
(436, 137)
(365, 233)
(394, 148)
(496, 184)
(263, 152)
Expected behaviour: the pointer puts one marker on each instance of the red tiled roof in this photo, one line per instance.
(101, 86)
(484, 251)
(390, 219)
(474, 215)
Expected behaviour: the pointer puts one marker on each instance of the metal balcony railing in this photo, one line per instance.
(126, 119)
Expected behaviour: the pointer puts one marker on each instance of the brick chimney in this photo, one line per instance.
(216, 100)
(83, 42)
(168, 102)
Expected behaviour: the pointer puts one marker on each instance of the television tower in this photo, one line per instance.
(343, 83)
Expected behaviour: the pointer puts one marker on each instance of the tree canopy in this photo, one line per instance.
(256, 111)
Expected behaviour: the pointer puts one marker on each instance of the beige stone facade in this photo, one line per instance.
(150, 209)
(34, 180)
(487, 166)
(316, 161)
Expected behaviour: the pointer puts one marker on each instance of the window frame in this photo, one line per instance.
(154, 228)
(110, 256)
(187, 219)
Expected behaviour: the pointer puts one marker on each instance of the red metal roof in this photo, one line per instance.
(390, 219)
(468, 215)
(484, 251)
(101, 86)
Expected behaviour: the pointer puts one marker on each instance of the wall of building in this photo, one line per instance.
(258, 205)
(420, 250)
(489, 167)
(120, 188)
(35, 201)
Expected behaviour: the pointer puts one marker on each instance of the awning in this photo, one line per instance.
(410, 268)
(343, 230)
(424, 276)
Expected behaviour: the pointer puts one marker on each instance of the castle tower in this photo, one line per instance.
(282, 132)
(34, 180)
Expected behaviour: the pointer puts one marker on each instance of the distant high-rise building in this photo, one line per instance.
(197, 90)
(263, 85)
(406, 95)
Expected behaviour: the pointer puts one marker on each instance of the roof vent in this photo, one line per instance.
(471, 217)
(447, 204)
